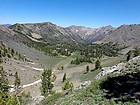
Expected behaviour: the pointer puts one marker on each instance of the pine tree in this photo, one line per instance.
(3, 80)
(97, 64)
(64, 78)
(87, 68)
(129, 54)
(47, 82)
(68, 86)
(3, 87)
(1, 60)
(17, 81)
(12, 52)
(128, 57)
(62, 67)
(0, 54)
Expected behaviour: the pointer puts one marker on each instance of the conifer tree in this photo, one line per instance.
(97, 64)
(129, 54)
(17, 81)
(87, 68)
(47, 82)
(3, 87)
(64, 78)
(68, 86)
(3, 80)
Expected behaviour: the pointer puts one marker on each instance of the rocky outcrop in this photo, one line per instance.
(83, 85)
(132, 63)
(107, 70)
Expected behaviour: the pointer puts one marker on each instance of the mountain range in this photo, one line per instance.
(127, 35)
(91, 34)
(53, 33)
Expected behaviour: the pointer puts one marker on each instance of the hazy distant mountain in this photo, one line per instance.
(5, 25)
(128, 35)
(99, 33)
(90, 34)
(81, 30)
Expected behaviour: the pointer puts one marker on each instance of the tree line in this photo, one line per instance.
(66, 49)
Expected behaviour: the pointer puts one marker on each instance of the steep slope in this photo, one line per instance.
(14, 40)
(55, 34)
(90, 34)
(128, 35)
(99, 34)
(81, 30)
(46, 32)
(18, 42)
(8, 34)
(30, 69)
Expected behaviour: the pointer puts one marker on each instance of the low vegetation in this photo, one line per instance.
(123, 90)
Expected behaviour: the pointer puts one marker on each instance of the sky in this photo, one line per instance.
(89, 13)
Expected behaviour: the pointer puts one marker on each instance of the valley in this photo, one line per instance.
(30, 49)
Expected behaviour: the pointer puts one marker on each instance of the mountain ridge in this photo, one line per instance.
(74, 33)
(50, 32)
(91, 34)
(127, 35)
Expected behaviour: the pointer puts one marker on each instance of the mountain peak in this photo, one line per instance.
(5, 25)
(126, 35)
(90, 34)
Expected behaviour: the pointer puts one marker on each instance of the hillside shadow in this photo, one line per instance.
(122, 86)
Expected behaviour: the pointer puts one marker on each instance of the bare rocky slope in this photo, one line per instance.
(9, 37)
(91, 34)
(125, 35)
(46, 32)
(52, 33)
(128, 35)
